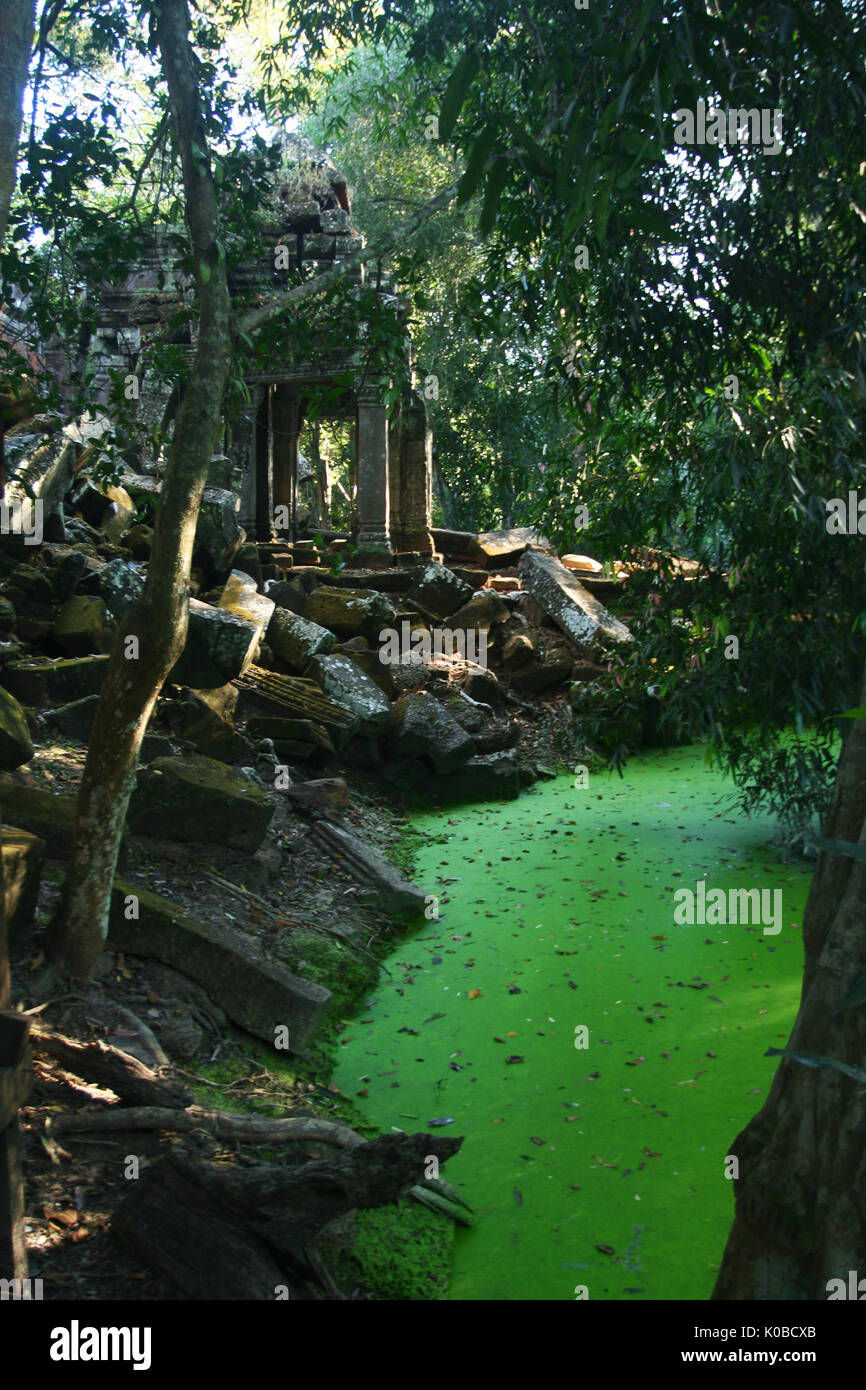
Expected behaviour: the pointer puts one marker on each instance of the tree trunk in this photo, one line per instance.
(16, 25)
(137, 669)
(219, 1232)
(799, 1200)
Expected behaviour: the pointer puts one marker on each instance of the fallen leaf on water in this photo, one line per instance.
(495, 1039)
(474, 994)
(535, 1139)
(513, 1058)
(518, 1196)
(606, 1249)
(598, 1158)
(444, 1120)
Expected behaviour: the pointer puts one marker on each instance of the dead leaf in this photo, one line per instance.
(606, 1249)
(61, 1218)
(474, 994)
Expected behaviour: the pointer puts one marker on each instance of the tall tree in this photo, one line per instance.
(799, 1216)
(153, 636)
(17, 19)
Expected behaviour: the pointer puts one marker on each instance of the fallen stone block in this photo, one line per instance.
(52, 682)
(439, 591)
(200, 800)
(256, 993)
(348, 686)
(83, 626)
(299, 731)
(205, 726)
(494, 777)
(426, 729)
(325, 796)
(75, 720)
(397, 897)
(286, 595)
(119, 584)
(48, 815)
(295, 640)
(559, 594)
(349, 612)
(23, 856)
(45, 475)
(505, 547)
(16, 747)
(220, 645)
(241, 596)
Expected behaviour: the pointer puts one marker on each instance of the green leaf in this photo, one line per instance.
(475, 165)
(601, 214)
(455, 93)
(859, 712)
(492, 195)
(204, 271)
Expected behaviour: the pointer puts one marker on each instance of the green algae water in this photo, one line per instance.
(599, 1166)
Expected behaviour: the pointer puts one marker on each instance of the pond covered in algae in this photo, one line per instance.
(557, 914)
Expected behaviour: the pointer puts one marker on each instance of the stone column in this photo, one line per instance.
(374, 541)
(264, 511)
(243, 457)
(285, 425)
(412, 479)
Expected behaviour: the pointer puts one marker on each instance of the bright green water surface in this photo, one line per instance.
(559, 908)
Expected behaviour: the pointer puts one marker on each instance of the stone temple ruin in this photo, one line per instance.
(306, 228)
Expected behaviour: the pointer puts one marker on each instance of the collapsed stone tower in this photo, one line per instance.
(306, 227)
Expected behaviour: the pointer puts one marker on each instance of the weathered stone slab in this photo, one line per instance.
(23, 856)
(580, 616)
(426, 729)
(240, 596)
(351, 688)
(47, 682)
(504, 547)
(295, 640)
(44, 475)
(439, 590)
(286, 594)
(83, 626)
(290, 730)
(349, 612)
(119, 584)
(15, 745)
(494, 777)
(201, 800)
(50, 815)
(256, 993)
(397, 896)
(220, 645)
